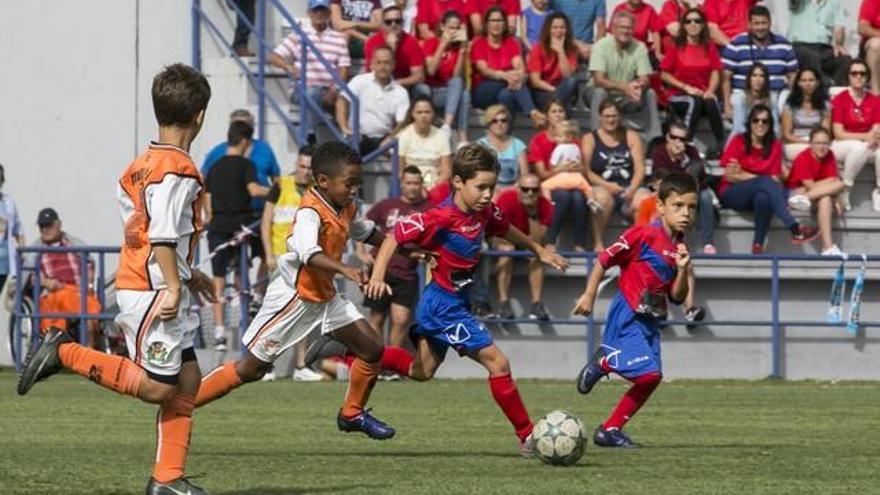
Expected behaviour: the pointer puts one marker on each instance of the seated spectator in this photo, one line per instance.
(409, 10)
(11, 235)
(431, 17)
(531, 213)
(752, 171)
(670, 19)
(229, 187)
(869, 31)
(444, 67)
(807, 107)
(855, 117)
(322, 89)
(567, 161)
(813, 183)
(727, 18)
(542, 144)
(615, 160)
(647, 25)
(382, 103)
(477, 12)
(356, 20)
(692, 69)
(409, 61)
(757, 91)
(816, 31)
(424, 146)
(511, 152)
(552, 63)
(620, 68)
(532, 21)
(587, 18)
(678, 155)
(498, 74)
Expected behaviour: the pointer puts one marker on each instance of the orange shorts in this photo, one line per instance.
(65, 300)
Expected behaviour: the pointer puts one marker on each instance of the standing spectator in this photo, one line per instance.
(692, 68)
(431, 15)
(531, 213)
(477, 11)
(587, 22)
(409, 61)
(229, 187)
(552, 62)
(615, 167)
(498, 70)
(813, 183)
(869, 30)
(11, 235)
(752, 170)
(281, 204)
(444, 67)
(510, 151)
(382, 102)
(757, 91)
(356, 20)
(242, 30)
(401, 275)
(758, 45)
(670, 19)
(620, 67)
(532, 21)
(806, 108)
(647, 24)
(813, 27)
(424, 146)
(322, 89)
(727, 18)
(855, 117)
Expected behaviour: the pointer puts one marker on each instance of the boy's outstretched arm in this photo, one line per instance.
(584, 304)
(516, 236)
(376, 287)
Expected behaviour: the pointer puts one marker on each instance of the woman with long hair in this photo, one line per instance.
(422, 144)
(552, 62)
(444, 73)
(806, 108)
(757, 91)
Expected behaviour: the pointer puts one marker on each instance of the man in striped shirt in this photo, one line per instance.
(319, 78)
(759, 44)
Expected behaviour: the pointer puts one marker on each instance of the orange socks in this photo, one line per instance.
(219, 382)
(173, 430)
(360, 384)
(114, 372)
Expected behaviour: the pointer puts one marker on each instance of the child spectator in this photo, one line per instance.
(532, 20)
(566, 158)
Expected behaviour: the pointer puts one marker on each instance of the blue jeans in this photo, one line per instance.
(563, 92)
(454, 100)
(569, 204)
(765, 197)
(491, 92)
(706, 217)
(306, 119)
(242, 31)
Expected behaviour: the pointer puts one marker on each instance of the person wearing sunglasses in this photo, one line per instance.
(670, 19)
(752, 173)
(817, 33)
(510, 150)
(409, 60)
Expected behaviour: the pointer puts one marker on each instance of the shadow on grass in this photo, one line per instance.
(365, 454)
(301, 491)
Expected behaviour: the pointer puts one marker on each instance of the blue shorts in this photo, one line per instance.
(445, 319)
(631, 342)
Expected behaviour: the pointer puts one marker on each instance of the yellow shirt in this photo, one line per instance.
(285, 210)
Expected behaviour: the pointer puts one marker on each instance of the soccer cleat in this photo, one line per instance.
(306, 374)
(803, 233)
(613, 437)
(539, 312)
(590, 374)
(220, 344)
(323, 347)
(527, 447)
(390, 376)
(180, 486)
(366, 423)
(694, 313)
(44, 362)
(505, 311)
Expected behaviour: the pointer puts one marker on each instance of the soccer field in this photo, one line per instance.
(69, 436)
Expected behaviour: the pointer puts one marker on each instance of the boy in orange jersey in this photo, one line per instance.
(158, 195)
(303, 297)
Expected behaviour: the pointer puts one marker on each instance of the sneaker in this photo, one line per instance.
(390, 376)
(484, 310)
(323, 347)
(757, 248)
(539, 312)
(843, 197)
(799, 202)
(505, 311)
(694, 313)
(180, 486)
(709, 249)
(220, 344)
(832, 251)
(44, 362)
(527, 447)
(306, 374)
(590, 374)
(366, 423)
(875, 199)
(268, 377)
(613, 437)
(801, 233)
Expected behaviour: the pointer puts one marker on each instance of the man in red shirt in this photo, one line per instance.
(869, 30)
(409, 61)
(531, 213)
(727, 18)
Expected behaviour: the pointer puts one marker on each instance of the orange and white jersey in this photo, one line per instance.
(159, 200)
(319, 228)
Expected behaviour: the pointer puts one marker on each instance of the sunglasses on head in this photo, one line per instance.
(759, 120)
(693, 20)
(529, 190)
(391, 22)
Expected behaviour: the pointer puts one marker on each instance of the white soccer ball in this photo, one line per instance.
(559, 438)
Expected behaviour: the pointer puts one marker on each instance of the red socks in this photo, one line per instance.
(603, 363)
(397, 360)
(634, 398)
(507, 397)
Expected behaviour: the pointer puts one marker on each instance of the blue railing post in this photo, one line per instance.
(302, 89)
(83, 293)
(395, 169)
(38, 320)
(196, 34)
(774, 320)
(19, 287)
(261, 69)
(591, 322)
(245, 294)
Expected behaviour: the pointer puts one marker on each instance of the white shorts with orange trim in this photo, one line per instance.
(285, 319)
(153, 344)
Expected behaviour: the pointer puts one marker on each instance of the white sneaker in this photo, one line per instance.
(268, 377)
(306, 375)
(832, 251)
(799, 202)
(447, 131)
(875, 199)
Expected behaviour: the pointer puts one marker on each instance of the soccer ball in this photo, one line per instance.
(559, 438)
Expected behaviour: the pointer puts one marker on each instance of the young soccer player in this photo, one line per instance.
(455, 230)
(654, 265)
(158, 195)
(304, 297)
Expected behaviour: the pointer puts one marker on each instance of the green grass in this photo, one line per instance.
(69, 436)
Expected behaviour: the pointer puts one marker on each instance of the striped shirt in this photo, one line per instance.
(778, 57)
(330, 43)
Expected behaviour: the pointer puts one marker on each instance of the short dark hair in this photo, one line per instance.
(473, 158)
(678, 183)
(411, 169)
(676, 123)
(448, 15)
(238, 132)
(307, 150)
(759, 11)
(819, 130)
(179, 94)
(332, 156)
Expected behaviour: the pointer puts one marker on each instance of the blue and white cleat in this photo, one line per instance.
(590, 374)
(365, 423)
(613, 437)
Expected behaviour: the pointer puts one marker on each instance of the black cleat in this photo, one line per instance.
(694, 313)
(590, 374)
(323, 347)
(44, 362)
(180, 486)
(613, 437)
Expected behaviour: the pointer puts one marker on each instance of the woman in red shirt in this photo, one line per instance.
(869, 30)
(552, 63)
(444, 73)
(498, 70)
(692, 69)
(752, 165)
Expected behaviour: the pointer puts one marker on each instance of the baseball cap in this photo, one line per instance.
(319, 4)
(46, 217)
